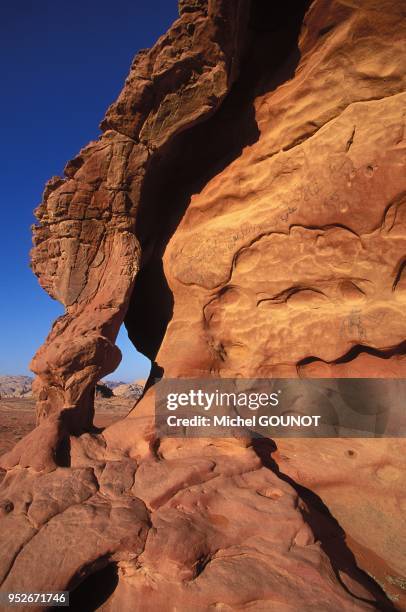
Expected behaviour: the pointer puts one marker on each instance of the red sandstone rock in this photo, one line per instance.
(86, 252)
(244, 211)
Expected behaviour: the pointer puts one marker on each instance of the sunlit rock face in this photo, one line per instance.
(87, 252)
(243, 212)
(291, 257)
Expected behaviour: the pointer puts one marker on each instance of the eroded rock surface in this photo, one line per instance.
(244, 211)
(86, 252)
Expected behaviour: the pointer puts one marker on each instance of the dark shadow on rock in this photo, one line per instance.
(62, 452)
(94, 590)
(355, 351)
(155, 376)
(194, 157)
(326, 530)
(276, 28)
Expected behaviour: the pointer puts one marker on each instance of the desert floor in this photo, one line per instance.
(17, 417)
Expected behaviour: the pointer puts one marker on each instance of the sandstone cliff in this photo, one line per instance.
(243, 213)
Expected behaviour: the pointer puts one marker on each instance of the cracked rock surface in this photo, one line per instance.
(244, 213)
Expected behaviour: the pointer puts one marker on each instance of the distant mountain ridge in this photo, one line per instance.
(15, 386)
(20, 386)
(112, 384)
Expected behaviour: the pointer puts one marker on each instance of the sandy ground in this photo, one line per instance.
(17, 417)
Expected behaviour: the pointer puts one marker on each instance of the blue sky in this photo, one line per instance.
(62, 63)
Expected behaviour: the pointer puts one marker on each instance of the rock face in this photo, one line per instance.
(86, 252)
(243, 211)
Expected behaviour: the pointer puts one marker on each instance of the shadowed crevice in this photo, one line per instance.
(355, 351)
(94, 590)
(63, 452)
(184, 166)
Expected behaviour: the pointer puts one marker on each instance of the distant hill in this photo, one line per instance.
(130, 390)
(15, 386)
(112, 384)
(20, 386)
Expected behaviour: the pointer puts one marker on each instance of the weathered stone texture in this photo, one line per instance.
(244, 211)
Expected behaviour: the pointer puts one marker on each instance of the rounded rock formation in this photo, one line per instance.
(243, 213)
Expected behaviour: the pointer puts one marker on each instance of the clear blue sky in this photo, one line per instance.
(62, 64)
